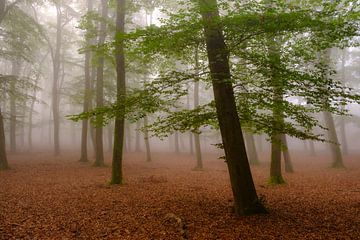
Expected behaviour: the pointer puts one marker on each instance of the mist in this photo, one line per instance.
(179, 119)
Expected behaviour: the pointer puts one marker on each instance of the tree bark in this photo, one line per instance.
(3, 158)
(287, 160)
(55, 87)
(146, 139)
(137, 137)
(117, 173)
(334, 144)
(15, 70)
(199, 162)
(246, 201)
(251, 148)
(87, 90)
(176, 142)
(99, 160)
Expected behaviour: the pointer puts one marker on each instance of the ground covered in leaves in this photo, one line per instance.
(44, 197)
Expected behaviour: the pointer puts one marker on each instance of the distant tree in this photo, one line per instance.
(87, 90)
(99, 161)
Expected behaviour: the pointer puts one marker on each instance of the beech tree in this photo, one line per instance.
(117, 175)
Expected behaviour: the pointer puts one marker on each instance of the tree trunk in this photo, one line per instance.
(191, 144)
(251, 148)
(287, 160)
(146, 139)
(87, 90)
(199, 162)
(329, 121)
(344, 144)
(245, 198)
(137, 137)
(55, 87)
(334, 143)
(15, 71)
(176, 142)
(31, 121)
(312, 148)
(99, 161)
(3, 159)
(117, 173)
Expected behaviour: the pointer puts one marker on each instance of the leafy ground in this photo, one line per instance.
(43, 197)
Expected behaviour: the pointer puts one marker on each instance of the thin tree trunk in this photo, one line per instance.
(31, 121)
(312, 148)
(334, 144)
(199, 162)
(245, 198)
(146, 139)
(55, 87)
(176, 142)
(287, 160)
(191, 143)
(251, 148)
(99, 161)
(15, 70)
(110, 137)
(344, 144)
(87, 99)
(329, 121)
(128, 136)
(137, 137)
(3, 158)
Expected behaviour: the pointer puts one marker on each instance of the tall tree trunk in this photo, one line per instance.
(15, 70)
(87, 99)
(278, 116)
(329, 121)
(128, 136)
(312, 148)
(344, 144)
(334, 144)
(3, 159)
(191, 144)
(99, 161)
(117, 173)
(199, 162)
(55, 87)
(137, 137)
(110, 137)
(31, 121)
(287, 160)
(251, 148)
(245, 198)
(176, 142)
(147, 141)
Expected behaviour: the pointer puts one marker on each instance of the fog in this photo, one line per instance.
(188, 106)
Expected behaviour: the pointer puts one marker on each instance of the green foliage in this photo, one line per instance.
(252, 29)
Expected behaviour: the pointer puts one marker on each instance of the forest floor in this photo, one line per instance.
(46, 197)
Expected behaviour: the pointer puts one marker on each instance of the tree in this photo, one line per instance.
(117, 174)
(246, 201)
(99, 161)
(87, 89)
